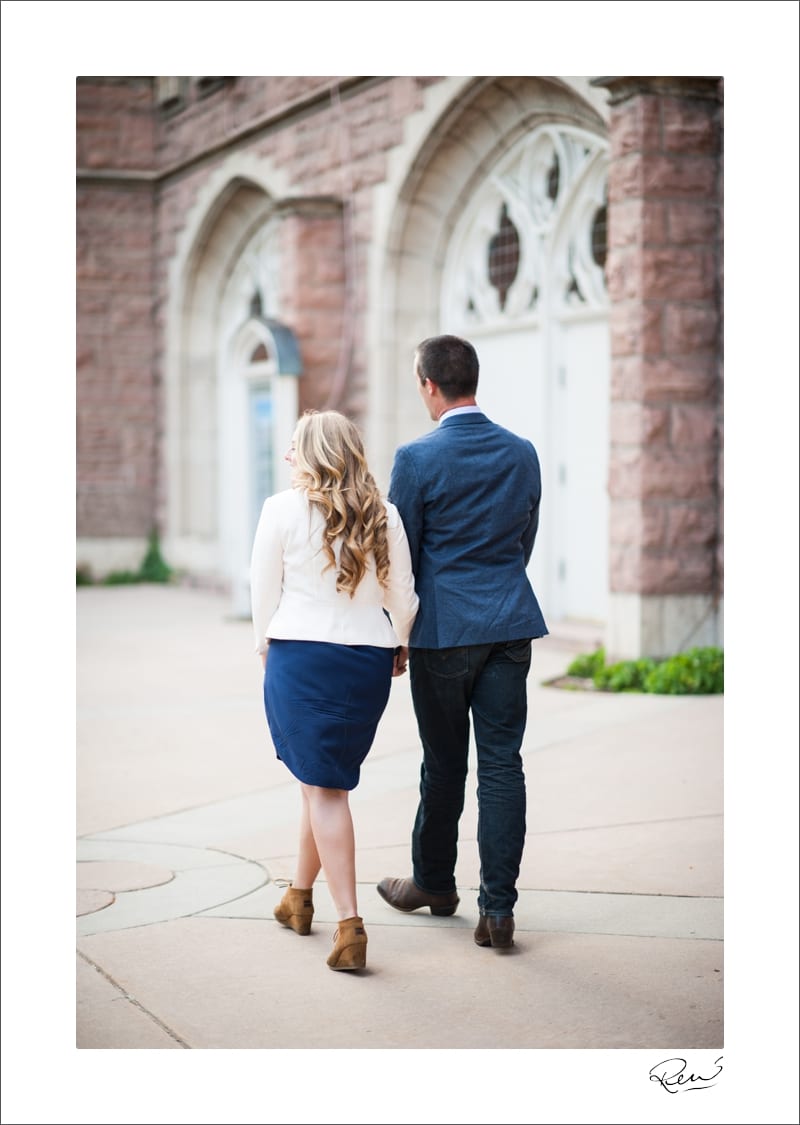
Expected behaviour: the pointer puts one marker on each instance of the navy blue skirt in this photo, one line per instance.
(323, 704)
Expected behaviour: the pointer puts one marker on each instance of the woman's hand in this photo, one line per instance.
(400, 661)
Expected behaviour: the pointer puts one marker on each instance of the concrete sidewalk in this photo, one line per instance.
(186, 819)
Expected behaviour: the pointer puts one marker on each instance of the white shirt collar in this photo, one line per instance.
(459, 410)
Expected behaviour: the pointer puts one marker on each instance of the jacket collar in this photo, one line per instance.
(470, 419)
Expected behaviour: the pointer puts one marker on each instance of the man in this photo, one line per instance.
(468, 494)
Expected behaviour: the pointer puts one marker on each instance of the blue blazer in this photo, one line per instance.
(468, 494)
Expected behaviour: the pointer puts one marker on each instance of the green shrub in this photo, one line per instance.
(588, 665)
(698, 671)
(152, 569)
(83, 575)
(626, 675)
(121, 578)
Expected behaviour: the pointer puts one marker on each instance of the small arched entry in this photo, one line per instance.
(231, 394)
(260, 364)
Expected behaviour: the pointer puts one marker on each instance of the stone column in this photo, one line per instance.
(313, 298)
(664, 273)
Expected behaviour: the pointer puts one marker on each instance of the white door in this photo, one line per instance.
(580, 468)
(512, 391)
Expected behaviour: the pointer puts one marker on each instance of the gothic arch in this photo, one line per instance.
(480, 132)
(465, 128)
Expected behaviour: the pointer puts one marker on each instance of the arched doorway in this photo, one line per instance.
(231, 397)
(523, 279)
(259, 362)
(512, 162)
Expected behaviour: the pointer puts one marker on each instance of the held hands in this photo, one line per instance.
(400, 661)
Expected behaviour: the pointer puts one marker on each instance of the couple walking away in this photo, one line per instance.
(349, 589)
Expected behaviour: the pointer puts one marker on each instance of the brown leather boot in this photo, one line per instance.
(496, 930)
(295, 910)
(350, 945)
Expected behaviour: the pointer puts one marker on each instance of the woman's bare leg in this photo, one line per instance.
(308, 861)
(331, 824)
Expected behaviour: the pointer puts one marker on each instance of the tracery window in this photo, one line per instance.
(533, 234)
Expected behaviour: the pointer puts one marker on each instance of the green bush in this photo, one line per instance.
(121, 578)
(152, 569)
(626, 675)
(588, 664)
(698, 671)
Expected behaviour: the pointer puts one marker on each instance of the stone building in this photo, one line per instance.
(249, 247)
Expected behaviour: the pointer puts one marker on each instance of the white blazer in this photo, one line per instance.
(294, 598)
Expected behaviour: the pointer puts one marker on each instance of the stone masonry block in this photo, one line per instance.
(625, 178)
(625, 474)
(632, 423)
(624, 564)
(625, 223)
(691, 221)
(405, 97)
(636, 127)
(678, 273)
(691, 526)
(690, 126)
(369, 171)
(632, 524)
(664, 380)
(623, 273)
(689, 328)
(690, 378)
(636, 329)
(689, 573)
(679, 177)
(626, 378)
(654, 223)
(677, 475)
(693, 425)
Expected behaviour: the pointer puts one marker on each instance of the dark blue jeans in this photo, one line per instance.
(447, 685)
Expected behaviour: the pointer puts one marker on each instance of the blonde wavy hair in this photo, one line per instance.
(330, 465)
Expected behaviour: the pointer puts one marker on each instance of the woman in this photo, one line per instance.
(329, 557)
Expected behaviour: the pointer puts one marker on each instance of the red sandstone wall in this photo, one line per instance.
(116, 409)
(140, 170)
(295, 123)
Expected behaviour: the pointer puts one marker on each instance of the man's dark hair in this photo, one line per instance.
(451, 362)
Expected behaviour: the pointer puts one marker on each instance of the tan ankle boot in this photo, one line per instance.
(295, 910)
(350, 945)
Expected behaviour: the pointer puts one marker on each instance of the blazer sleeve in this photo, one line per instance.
(400, 598)
(406, 494)
(266, 573)
(529, 535)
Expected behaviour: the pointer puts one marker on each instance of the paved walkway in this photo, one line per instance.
(185, 821)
